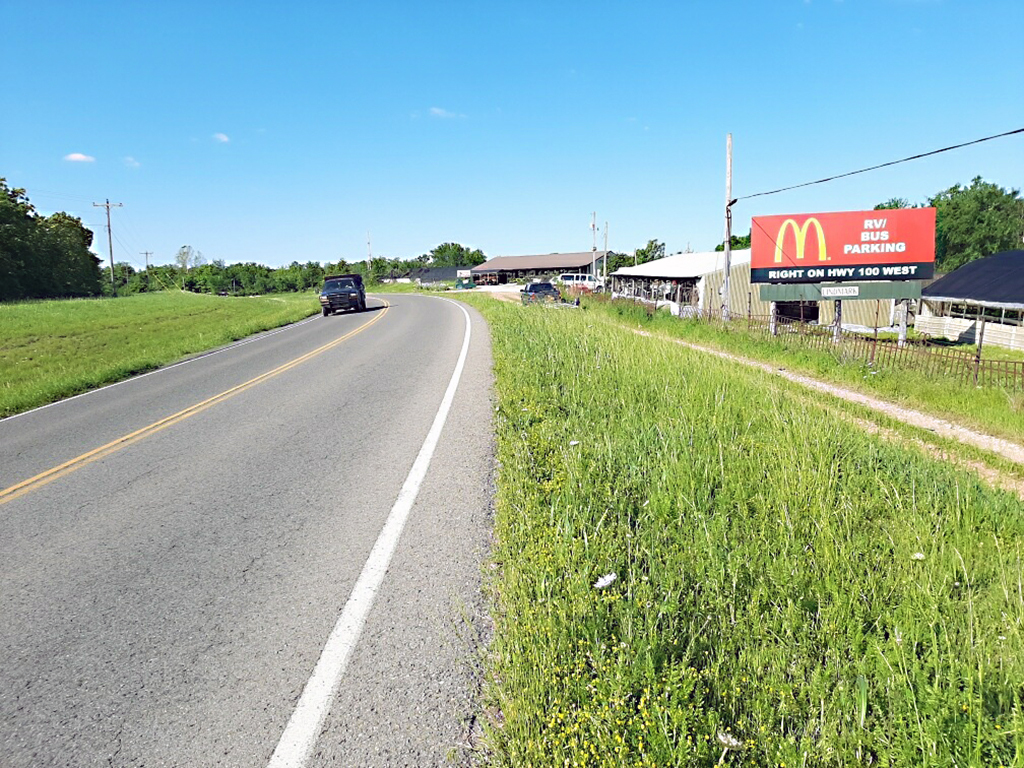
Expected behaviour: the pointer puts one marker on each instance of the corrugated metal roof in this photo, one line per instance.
(996, 281)
(553, 262)
(684, 265)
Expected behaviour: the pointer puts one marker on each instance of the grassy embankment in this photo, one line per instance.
(989, 409)
(54, 349)
(821, 595)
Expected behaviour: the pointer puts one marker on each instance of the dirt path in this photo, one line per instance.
(1004, 448)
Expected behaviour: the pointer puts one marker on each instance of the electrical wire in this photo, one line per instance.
(881, 165)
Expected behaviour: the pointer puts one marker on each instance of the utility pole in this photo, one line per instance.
(728, 226)
(147, 254)
(110, 241)
(369, 255)
(593, 251)
(605, 254)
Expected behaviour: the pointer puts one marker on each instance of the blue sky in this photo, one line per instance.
(265, 132)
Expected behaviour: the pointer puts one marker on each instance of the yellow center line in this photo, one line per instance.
(25, 486)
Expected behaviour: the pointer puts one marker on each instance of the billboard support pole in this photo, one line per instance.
(728, 226)
(773, 319)
(904, 311)
(837, 333)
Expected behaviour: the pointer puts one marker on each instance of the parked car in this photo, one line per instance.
(581, 281)
(539, 292)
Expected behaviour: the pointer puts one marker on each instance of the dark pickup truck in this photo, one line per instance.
(342, 292)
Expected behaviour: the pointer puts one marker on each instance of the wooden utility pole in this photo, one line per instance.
(110, 239)
(606, 255)
(593, 250)
(728, 226)
(147, 254)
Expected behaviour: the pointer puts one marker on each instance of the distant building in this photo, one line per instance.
(426, 275)
(693, 279)
(502, 269)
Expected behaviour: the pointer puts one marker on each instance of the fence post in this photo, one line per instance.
(981, 339)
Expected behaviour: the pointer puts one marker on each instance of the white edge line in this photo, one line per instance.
(304, 726)
(162, 369)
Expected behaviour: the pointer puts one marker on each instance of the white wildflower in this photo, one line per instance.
(917, 556)
(573, 442)
(605, 580)
(728, 741)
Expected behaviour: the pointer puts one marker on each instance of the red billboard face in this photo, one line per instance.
(894, 244)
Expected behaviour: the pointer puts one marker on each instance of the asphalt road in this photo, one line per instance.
(163, 602)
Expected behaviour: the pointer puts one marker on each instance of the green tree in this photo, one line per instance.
(974, 222)
(77, 270)
(653, 251)
(453, 255)
(736, 242)
(42, 257)
(893, 203)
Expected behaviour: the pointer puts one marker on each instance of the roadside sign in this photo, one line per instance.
(897, 244)
(840, 291)
(910, 289)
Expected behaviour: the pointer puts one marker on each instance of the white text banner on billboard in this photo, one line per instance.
(896, 244)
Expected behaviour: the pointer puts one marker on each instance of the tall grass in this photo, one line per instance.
(989, 409)
(53, 349)
(781, 578)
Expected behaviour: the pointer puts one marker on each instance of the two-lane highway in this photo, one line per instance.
(176, 550)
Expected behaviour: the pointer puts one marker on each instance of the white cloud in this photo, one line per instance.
(444, 114)
(221, 137)
(78, 157)
(131, 162)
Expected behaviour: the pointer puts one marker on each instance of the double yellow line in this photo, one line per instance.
(26, 486)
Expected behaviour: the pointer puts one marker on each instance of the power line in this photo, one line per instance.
(881, 165)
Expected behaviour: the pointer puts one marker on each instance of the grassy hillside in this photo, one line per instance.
(53, 349)
(692, 556)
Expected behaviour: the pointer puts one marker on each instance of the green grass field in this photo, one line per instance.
(781, 578)
(54, 349)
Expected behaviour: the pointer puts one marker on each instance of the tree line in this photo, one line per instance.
(44, 257)
(49, 256)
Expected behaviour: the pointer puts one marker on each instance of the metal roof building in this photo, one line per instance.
(504, 268)
(987, 291)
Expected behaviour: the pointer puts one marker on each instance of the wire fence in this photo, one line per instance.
(930, 357)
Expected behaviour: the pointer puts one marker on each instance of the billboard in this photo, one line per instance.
(897, 244)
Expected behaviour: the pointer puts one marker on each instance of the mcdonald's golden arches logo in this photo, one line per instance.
(800, 234)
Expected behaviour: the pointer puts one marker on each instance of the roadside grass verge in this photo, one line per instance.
(993, 410)
(54, 349)
(782, 578)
